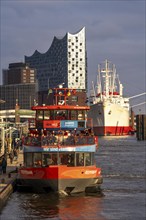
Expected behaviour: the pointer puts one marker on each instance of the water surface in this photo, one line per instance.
(122, 160)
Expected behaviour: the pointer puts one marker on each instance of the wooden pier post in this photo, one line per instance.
(141, 127)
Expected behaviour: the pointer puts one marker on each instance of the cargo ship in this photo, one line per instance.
(59, 151)
(109, 110)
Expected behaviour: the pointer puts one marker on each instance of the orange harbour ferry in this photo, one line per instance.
(59, 151)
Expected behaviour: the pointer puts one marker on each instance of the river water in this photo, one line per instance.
(122, 160)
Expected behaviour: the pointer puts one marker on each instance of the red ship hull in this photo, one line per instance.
(60, 179)
(113, 130)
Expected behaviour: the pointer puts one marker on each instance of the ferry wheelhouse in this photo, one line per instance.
(59, 151)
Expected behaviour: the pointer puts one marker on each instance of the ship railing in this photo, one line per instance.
(59, 140)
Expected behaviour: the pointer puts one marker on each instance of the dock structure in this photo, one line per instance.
(8, 180)
(141, 127)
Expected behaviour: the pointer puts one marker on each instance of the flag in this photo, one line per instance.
(50, 91)
(74, 91)
(68, 94)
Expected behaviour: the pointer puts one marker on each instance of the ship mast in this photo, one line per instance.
(113, 81)
(106, 79)
(99, 88)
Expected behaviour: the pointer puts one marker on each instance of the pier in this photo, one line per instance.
(8, 180)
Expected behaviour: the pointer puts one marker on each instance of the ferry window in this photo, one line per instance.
(63, 159)
(47, 160)
(52, 114)
(81, 115)
(92, 159)
(87, 157)
(74, 98)
(73, 115)
(71, 160)
(54, 158)
(56, 113)
(66, 159)
(39, 115)
(28, 158)
(37, 159)
(46, 114)
(60, 114)
(80, 159)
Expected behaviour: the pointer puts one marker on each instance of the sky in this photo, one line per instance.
(115, 30)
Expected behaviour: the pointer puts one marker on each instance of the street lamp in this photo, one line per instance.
(2, 138)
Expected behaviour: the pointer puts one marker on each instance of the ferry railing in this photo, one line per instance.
(59, 140)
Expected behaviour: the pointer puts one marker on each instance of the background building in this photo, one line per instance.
(22, 94)
(19, 87)
(64, 62)
(18, 73)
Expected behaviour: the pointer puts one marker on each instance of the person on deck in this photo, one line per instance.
(4, 165)
(11, 156)
(0, 165)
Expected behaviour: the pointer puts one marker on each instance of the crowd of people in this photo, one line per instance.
(63, 138)
(11, 154)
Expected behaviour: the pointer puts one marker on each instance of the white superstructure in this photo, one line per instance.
(109, 109)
